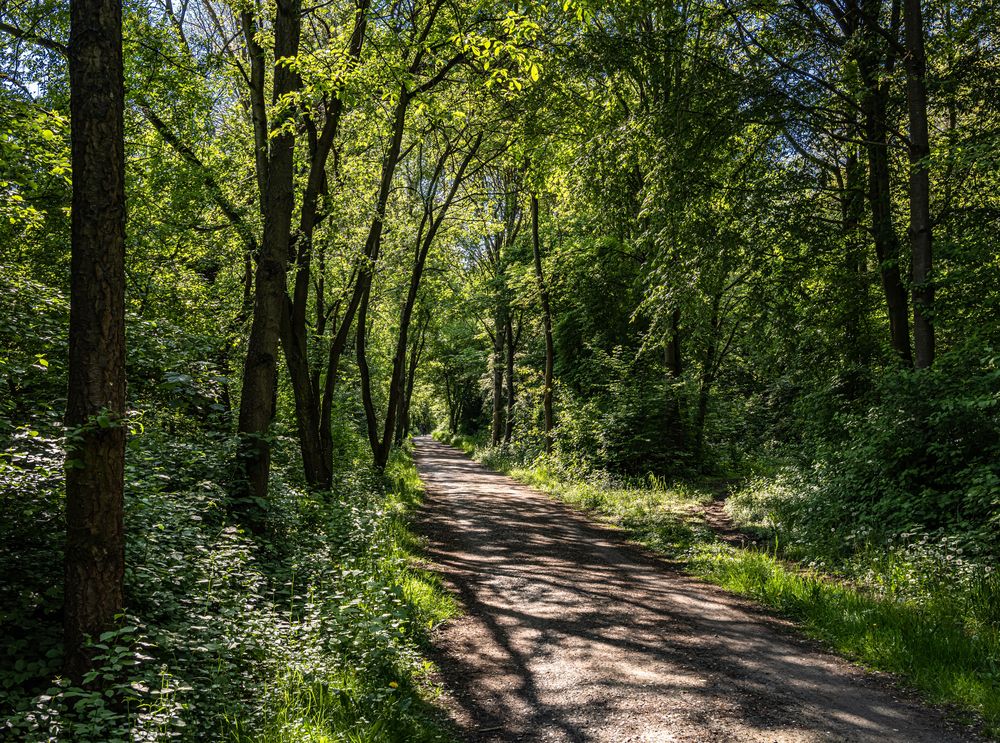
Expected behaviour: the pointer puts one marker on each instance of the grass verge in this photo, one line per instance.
(383, 695)
(313, 631)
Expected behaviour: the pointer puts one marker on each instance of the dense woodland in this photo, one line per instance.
(247, 249)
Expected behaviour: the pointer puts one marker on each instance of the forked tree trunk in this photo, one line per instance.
(381, 446)
(313, 405)
(95, 402)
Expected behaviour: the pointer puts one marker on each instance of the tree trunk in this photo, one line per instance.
(511, 343)
(496, 430)
(316, 467)
(707, 377)
(673, 351)
(920, 212)
(543, 293)
(381, 447)
(875, 107)
(856, 300)
(95, 401)
(260, 371)
(416, 351)
(673, 360)
(313, 407)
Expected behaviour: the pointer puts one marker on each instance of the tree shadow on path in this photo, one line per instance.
(571, 634)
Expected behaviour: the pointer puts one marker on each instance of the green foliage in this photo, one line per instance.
(941, 646)
(32, 352)
(312, 634)
(923, 456)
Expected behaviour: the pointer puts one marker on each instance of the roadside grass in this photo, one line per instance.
(660, 517)
(942, 642)
(932, 647)
(423, 589)
(374, 699)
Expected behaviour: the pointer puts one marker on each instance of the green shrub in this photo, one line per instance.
(312, 633)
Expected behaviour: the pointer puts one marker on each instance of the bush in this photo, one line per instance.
(312, 633)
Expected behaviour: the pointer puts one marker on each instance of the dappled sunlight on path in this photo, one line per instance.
(573, 635)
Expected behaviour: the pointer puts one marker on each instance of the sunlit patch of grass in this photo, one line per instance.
(340, 710)
(381, 692)
(467, 444)
(931, 647)
(422, 589)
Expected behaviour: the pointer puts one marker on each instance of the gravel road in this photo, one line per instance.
(571, 634)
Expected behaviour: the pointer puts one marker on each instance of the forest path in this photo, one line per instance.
(571, 634)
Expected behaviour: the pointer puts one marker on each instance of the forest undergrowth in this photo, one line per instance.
(921, 604)
(312, 633)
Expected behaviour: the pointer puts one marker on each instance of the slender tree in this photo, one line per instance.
(275, 150)
(543, 295)
(920, 187)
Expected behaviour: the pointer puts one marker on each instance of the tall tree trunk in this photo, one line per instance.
(451, 401)
(381, 447)
(95, 401)
(673, 360)
(875, 107)
(511, 344)
(920, 189)
(497, 364)
(312, 406)
(856, 297)
(362, 284)
(673, 350)
(707, 377)
(543, 293)
(416, 351)
(260, 372)
(316, 467)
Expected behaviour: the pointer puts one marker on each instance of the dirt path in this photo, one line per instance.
(573, 635)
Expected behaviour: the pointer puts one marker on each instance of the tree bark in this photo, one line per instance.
(856, 299)
(707, 376)
(543, 294)
(260, 371)
(382, 446)
(95, 402)
(497, 364)
(311, 404)
(875, 108)
(416, 352)
(673, 351)
(920, 211)
(511, 344)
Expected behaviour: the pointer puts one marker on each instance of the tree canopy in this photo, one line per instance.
(713, 238)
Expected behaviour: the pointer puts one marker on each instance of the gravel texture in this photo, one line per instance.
(571, 634)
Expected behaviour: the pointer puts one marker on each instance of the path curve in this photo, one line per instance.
(573, 635)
